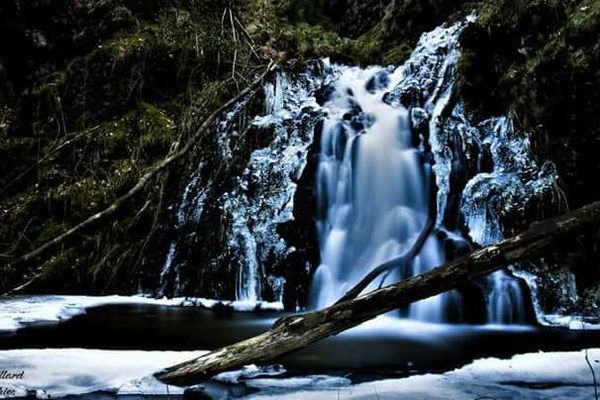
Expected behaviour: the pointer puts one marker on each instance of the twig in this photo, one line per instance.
(589, 364)
(247, 38)
(25, 285)
(587, 360)
(235, 50)
(46, 158)
(221, 38)
(18, 241)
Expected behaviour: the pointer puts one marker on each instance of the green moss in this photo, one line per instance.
(316, 41)
(157, 61)
(397, 55)
(137, 89)
(585, 18)
(115, 155)
(55, 266)
(511, 11)
(49, 230)
(144, 134)
(176, 30)
(157, 131)
(84, 195)
(112, 141)
(305, 29)
(49, 85)
(16, 210)
(310, 11)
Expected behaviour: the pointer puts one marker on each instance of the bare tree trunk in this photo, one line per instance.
(206, 125)
(295, 332)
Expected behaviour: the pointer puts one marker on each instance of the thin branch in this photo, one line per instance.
(235, 50)
(587, 360)
(47, 157)
(589, 364)
(247, 38)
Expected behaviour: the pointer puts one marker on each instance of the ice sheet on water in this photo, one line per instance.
(573, 322)
(528, 376)
(17, 312)
(53, 373)
(250, 372)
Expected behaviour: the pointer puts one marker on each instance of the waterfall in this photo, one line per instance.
(382, 128)
(372, 179)
(372, 188)
(386, 139)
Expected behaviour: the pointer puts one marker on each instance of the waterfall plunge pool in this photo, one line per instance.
(386, 346)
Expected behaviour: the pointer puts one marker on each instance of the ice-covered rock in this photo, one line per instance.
(264, 193)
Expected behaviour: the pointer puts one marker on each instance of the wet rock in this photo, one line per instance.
(323, 95)
(379, 81)
(419, 119)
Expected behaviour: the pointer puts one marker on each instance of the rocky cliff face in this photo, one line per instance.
(540, 60)
(101, 90)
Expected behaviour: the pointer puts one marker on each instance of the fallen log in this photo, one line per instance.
(296, 332)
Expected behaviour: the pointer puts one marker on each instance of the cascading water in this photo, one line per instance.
(389, 138)
(381, 126)
(372, 188)
(372, 180)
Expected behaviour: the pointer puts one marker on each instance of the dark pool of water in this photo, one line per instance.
(389, 347)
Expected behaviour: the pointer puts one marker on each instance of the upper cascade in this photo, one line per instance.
(386, 140)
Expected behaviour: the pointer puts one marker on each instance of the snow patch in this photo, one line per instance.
(59, 372)
(540, 376)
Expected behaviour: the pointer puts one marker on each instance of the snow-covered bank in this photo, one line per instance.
(17, 312)
(59, 372)
(573, 322)
(560, 375)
